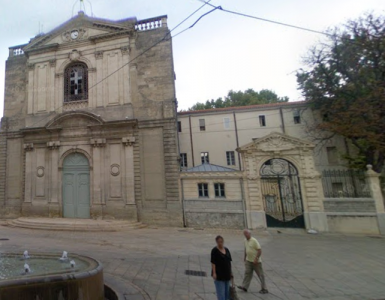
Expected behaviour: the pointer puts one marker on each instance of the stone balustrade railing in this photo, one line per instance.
(16, 51)
(150, 24)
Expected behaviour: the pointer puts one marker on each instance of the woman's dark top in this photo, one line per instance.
(222, 264)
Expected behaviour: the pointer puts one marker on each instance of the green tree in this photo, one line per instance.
(239, 98)
(344, 80)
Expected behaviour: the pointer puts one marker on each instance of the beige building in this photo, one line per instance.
(259, 166)
(89, 123)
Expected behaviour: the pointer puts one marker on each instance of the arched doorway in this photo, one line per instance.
(281, 193)
(76, 186)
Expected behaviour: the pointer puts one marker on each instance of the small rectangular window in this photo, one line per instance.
(230, 157)
(332, 155)
(202, 124)
(203, 190)
(205, 158)
(183, 160)
(179, 126)
(297, 117)
(262, 121)
(226, 123)
(219, 190)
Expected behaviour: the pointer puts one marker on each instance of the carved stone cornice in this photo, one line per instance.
(98, 54)
(111, 35)
(28, 147)
(125, 50)
(53, 145)
(128, 141)
(31, 67)
(98, 142)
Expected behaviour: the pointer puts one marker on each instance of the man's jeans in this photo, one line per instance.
(249, 269)
(223, 289)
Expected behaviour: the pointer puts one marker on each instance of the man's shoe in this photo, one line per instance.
(263, 291)
(242, 288)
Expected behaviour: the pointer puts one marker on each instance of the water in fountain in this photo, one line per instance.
(64, 257)
(27, 269)
(73, 263)
(26, 255)
(11, 264)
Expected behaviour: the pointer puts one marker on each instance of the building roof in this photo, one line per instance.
(237, 108)
(209, 168)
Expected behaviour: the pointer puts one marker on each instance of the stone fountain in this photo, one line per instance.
(48, 276)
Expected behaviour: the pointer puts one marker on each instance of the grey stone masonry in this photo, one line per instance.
(358, 205)
(3, 159)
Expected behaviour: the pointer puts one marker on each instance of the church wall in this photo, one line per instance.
(14, 176)
(129, 178)
(3, 165)
(15, 93)
(157, 173)
(152, 76)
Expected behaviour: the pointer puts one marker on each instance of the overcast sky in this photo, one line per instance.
(220, 53)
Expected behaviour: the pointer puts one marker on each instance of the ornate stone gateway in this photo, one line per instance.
(76, 187)
(281, 194)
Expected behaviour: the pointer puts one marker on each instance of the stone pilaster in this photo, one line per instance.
(373, 180)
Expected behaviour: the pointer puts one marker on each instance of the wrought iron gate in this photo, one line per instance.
(281, 194)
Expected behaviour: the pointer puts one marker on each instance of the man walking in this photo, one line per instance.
(253, 262)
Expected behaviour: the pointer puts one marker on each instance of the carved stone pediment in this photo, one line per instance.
(76, 119)
(80, 28)
(275, 142)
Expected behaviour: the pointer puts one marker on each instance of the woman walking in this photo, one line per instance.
(221, 269)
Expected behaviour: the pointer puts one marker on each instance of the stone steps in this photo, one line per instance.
(64, 224)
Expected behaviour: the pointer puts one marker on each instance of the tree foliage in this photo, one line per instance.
(344, 81)
(239, 98)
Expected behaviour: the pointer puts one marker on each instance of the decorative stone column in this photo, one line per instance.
(129, 178)
(28, 149)
(54, 180)
(373, 179)
(98, 178)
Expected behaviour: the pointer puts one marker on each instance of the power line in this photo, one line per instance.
(145, 51)
(238, 120)
(266, 20)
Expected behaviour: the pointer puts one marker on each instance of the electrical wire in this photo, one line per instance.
(142, 53)
(238, 120)
(266, 20)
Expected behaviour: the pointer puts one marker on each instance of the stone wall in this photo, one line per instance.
(157, 173)
(3, 159)
(152, 76)
(350, 205)
(15, 93)
(214, 220)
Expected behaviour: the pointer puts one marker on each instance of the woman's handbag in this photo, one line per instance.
(233, 291)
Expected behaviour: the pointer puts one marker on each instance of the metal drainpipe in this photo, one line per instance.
(243, 203)
(237, 140)
(177, 131)
(282, 121)
(191, 142)
(184, 213)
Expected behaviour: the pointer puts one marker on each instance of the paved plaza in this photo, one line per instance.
(150, 263)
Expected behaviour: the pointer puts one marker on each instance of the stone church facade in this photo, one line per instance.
(89, 126)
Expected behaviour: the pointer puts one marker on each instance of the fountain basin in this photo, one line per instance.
(50, 278)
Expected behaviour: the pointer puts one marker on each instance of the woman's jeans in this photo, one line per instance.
(223, 289)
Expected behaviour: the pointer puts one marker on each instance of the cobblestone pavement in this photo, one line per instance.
(297, 266)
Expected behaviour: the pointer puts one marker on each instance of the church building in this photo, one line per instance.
(89, 126)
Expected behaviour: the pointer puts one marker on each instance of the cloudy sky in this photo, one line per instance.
(220, 53)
